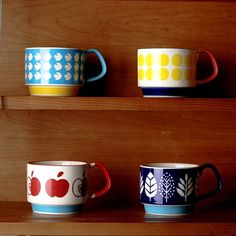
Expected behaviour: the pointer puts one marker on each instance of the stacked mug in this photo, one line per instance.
(54, 71)
(171, 72)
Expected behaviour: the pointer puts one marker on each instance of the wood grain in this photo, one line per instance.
(17, 218)
(118, 29)
(122, 140)
(117, 127)
(116, 104)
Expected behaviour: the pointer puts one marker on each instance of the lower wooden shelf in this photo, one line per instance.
(16, 218)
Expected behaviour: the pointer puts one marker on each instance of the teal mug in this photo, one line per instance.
(53, 71)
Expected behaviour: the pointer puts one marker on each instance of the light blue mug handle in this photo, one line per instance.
(103, 64)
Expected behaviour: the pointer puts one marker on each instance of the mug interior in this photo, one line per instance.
(58, 163)
(170, 165)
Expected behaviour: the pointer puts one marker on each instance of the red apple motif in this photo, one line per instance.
(34, 185)
(57, 188)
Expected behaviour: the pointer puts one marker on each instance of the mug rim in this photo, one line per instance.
(57, 163)
(167, 48)
(61, 48)
(169, 165)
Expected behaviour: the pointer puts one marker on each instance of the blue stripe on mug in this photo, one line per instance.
(178, 92)
(168, 210)
(56, 209)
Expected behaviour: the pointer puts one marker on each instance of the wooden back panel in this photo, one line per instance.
(118, 29)
(122, 140)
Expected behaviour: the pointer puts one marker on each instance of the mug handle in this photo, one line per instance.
(107, 177)
(103, 64)
(214, 65)
(218, 178)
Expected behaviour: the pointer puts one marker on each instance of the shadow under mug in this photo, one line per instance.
(52, 71)
(171, 71)
(61, 187)
(172, 189)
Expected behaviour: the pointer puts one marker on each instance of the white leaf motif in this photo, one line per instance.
(68, 76)
(30, 56)
(68, 57)
(58, 66)
(76, 57)
(30, 66)
(182, 181)
(181, 186)
(76, 76)
(68, 66)
(30, 76)
(58, 76)
(37, 56)
(37, 66)
(185, 187)
(58, 56)
(150, 186)
(180, 192)
(76, 66)
(189, 191)
(37, 76)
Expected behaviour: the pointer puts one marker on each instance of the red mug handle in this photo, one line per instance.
(107, 177)
(214, 65)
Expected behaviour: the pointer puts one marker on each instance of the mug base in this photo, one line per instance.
(56, 209)
(169, 210)
(45, 90)
(168, 92)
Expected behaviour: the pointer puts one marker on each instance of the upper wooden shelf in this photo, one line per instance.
(117, 103)
(16, 218)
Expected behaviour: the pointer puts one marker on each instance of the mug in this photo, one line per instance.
(172, 189)
(61, 187)
(171, 71)
(52, 71)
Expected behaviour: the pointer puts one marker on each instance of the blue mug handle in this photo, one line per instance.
(103, 64)
(218, 178)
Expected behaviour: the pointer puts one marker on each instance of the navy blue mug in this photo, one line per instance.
(173, 188)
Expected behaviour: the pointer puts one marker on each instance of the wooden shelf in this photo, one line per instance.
(17, 218)
(117, 103)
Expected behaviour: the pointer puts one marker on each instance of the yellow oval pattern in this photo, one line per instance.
(147, 69)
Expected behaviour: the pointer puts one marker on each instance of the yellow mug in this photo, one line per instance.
(171, 71)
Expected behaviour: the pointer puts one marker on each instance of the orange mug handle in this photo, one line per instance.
(214, 65)
(107, 177)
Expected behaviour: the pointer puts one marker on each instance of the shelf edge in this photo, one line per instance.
(117, 103)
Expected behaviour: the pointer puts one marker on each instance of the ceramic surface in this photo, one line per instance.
(60, 187)
(58, 71)
(170, 71)
(172, 188)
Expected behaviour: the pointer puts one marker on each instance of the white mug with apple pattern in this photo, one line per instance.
(61, 187)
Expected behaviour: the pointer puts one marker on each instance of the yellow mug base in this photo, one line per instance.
(67, 91)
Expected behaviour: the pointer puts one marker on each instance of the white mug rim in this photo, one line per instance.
(167, 49)
(48, 48)
(169, 165)
(57, 163)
